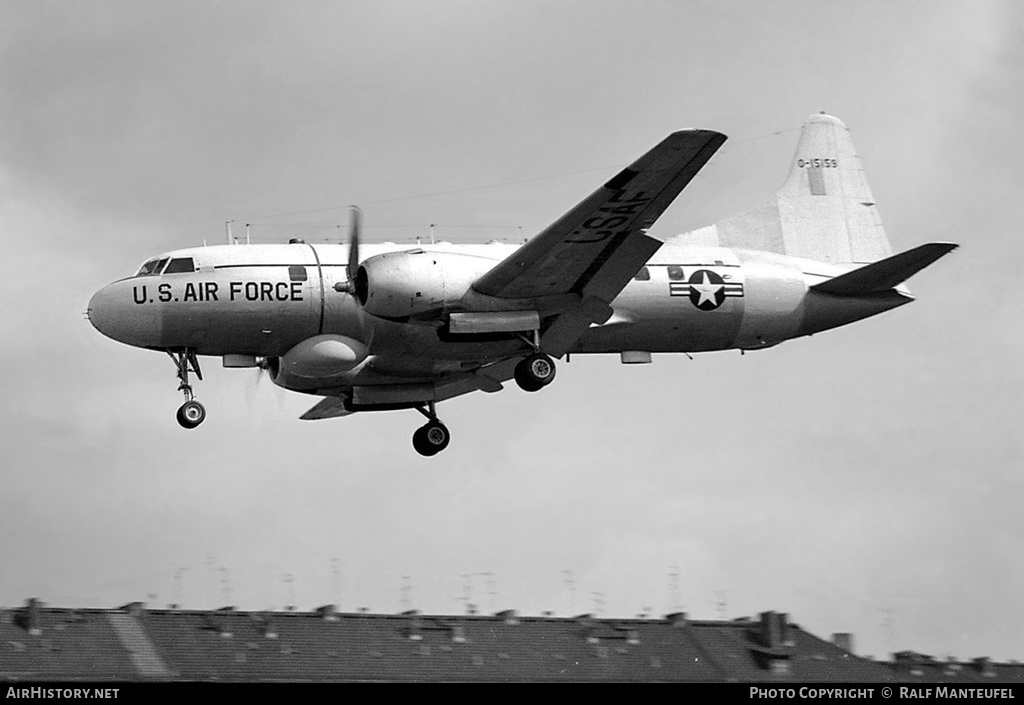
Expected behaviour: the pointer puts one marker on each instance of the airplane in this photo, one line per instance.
(375, 327)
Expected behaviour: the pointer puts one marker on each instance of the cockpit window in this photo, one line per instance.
(179, 265)
(152, 267)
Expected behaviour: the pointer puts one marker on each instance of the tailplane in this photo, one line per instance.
(825, 211)
(885, 274)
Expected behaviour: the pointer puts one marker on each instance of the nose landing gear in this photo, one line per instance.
(433, 437)
(191, 413)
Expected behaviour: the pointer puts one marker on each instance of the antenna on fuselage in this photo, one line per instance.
(227, 232)
(432, 233)
(247, 241)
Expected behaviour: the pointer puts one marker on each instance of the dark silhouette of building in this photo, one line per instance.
(133, 643)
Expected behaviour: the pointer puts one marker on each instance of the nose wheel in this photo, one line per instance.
(191, 413)
(432, 437)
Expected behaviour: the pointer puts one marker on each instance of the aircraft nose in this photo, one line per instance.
(98, 312)
(114, 314)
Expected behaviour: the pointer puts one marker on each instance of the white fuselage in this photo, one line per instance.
(262, 300)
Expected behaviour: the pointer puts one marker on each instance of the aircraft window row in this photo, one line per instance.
(178, 265)
(644, 275)
(297, 273)
(675, 272)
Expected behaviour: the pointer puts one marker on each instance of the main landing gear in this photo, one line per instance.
(532, 373)
(191, 413)
(535, 372)
(432, 437)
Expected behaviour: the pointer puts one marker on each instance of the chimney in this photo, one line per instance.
(771, 639)
(844, 640)
(211, 623)
(264, 626)
(775, 631)
(676, 619)
(415, 627)
(984, 666)
(32, 606)
(328, 613)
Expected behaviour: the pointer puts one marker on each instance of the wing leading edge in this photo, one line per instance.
(599, 245)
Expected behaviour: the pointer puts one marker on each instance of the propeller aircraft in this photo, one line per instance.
(373, 327)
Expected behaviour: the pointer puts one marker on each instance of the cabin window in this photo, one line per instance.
(675, 272)
(180, 265)
(297, 273)
(644, 275)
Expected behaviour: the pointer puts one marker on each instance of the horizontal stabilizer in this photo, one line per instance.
(885, 274)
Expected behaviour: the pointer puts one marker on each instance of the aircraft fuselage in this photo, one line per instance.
(262, 300)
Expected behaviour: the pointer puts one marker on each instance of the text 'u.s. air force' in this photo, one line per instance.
(211, 291)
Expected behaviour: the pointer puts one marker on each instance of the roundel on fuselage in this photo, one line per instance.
(707, 289)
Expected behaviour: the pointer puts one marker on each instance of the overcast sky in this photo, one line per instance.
(865, 480)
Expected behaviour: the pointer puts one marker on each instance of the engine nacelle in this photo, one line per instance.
(404, 285)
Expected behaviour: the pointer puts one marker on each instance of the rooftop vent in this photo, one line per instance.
(676, 619)
(328, 613)
(135, 609)
(508, 617)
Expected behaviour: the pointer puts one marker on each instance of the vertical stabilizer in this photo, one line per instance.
(825, 211)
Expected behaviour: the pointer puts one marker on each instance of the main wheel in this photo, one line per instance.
(191, 414)
(431, 438)
(535, 371)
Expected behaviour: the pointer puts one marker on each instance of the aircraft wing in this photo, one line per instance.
(327, 408)
(597, 247)
(487, 378)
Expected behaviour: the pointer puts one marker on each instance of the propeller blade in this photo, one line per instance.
(355, 226)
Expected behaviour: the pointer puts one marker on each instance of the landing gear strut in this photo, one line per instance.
(433, 437)
(191, 413)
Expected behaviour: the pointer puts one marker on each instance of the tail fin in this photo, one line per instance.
(824, 211)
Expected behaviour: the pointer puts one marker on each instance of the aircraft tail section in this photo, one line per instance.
(885, 274)
(825, 211)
